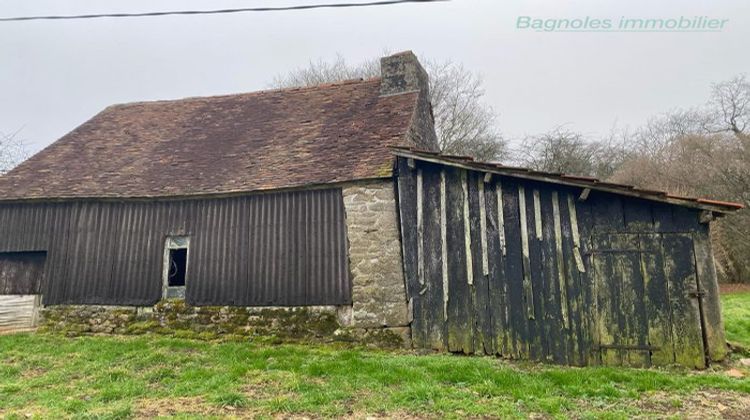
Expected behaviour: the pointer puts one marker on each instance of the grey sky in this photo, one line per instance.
(54, 75)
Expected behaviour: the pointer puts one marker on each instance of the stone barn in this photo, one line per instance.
(326, 212)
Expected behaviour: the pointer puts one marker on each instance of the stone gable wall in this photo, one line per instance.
(378, 290)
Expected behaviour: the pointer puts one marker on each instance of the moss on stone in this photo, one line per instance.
(174, 317)
(143, 327)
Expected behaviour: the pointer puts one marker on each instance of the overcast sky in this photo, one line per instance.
(54, 75)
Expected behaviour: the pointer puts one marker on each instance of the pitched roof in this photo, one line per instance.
(570, 180)
(222, 144)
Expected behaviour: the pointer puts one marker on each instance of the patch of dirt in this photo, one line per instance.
(707, 403)
(163, 407)
(33, 373)
(729, 288)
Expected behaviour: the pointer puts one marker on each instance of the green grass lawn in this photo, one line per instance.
(736, 310)
(122, 377)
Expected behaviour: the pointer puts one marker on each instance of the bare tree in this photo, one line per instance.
(465, 125)
(562, 150)
(12, 151)
(703, 151)
(730, 106)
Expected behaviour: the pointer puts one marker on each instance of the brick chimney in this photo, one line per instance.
(402, 73)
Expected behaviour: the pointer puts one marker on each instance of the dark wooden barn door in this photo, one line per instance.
(647, 309)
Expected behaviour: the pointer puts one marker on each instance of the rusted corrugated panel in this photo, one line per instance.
(267, 249)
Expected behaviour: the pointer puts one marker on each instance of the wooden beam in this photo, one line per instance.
(420, 230)
(483, 228)
(576, 234)
(444, 243)
(560, 259)
(537, 214)
(500, 216)
(467, 229)
(527, 286)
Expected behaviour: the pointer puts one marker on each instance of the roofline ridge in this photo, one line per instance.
(252, 93)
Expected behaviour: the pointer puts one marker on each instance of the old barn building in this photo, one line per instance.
(332, 201)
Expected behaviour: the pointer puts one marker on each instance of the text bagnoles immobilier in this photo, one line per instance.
(682, 23)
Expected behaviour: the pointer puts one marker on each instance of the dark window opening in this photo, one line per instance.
(177, 267)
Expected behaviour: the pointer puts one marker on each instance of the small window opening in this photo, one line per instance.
(177, 267)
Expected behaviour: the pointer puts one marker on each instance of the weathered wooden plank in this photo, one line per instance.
(527, 287)
(444, 244)
(538, 339)
(687, 219)
(432, 289)
(576, 234)
(634, 328)
(560, 260)
(420, 229)
(407, 193)
(500, 215)
(638, 217)
(459, 314)
(554, 338)
(467, 228)
(713, 325)
(657, 304)
(662, 217)
(679, 265)
(605, 299)
(18, 311)
(607, 212)
(497, 282)
(537, 215)
(483, 228)
(483, 333)
(514, 271)
(579, 341)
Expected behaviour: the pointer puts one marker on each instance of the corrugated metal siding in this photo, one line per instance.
(268, 249)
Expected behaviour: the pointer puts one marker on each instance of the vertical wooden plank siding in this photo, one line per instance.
(714, 326)
(500, 215)
(483, 227)
(432, 291)
(524, 269)
(562, 281)
(467, 229)
(407, 191)
(460, 320)
(527, 288)
(444, 244)
(420, 229)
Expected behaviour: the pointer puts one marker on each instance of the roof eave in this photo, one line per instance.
(579, 182)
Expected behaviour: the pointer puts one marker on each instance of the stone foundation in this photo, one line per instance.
(263, 324)
(378, 290)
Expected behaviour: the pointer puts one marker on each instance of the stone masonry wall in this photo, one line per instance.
(259, 324)
(378, 290)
